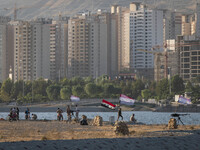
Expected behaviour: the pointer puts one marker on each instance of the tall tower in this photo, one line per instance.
(146, 31)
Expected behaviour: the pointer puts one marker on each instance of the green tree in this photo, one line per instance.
(91, 89)
(137, 87)
(146, 94)
(6, 90)
(53, 92)
(65, 82)
(78, 91)
(40, 87)
(17, 89)
(189, 87)
(195, 93)
(177, 85)
(65, 92)
(89, 80)
(77, 81)
(162, 89)
(127, 89)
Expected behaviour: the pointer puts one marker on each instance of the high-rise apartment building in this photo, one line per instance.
(189, 50)
(6, 55)
(78, 47)
(146, 31)
(197, 20)
(31, 50)
(168, 25)
(92, 45)
(40, 45)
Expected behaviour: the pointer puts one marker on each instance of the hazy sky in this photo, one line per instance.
(46, 8)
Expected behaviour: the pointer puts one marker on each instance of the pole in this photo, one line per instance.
(169, 77)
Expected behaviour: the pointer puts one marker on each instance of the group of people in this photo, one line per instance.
(14, 114)
(27, 115)
(69, 112)
(132, 118)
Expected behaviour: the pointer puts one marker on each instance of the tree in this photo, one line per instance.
(17, 89)
(65, 92)
(177, 85)
(91, 89)
(78, 91)
(6, 90)
(162, 89)
(189, 87)
(77, 81)
(64, 82)
(89, 80)
(137, 87)
(146, 94)
(40, 87)
(53, 92)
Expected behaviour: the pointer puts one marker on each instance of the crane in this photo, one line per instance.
(157, 55)
(165, 53)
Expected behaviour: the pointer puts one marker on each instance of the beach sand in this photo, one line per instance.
(54, 135)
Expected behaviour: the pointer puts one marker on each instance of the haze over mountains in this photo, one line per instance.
(30, 9)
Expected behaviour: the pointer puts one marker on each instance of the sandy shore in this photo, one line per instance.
(54, 135)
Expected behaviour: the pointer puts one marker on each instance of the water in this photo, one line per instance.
(141, 116)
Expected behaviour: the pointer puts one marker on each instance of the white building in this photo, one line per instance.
(146, 31)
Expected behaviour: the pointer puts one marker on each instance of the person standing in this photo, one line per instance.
(77, 112)
(68, 113)
(17, 113)
(27, 114)
(59, 114)
(119, 114)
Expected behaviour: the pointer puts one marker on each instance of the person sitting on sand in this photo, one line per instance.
(119, 114)
(132, 118)
(83, 120)
(34, 117)
(59, 114)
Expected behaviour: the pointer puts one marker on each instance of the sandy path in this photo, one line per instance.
(53, 135)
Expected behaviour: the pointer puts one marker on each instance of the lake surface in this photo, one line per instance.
(141, 116)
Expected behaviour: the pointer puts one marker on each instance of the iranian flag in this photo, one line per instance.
(107, 104)
(74, 98)
(126, 100)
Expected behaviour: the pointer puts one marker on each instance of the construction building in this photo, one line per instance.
(189, 50)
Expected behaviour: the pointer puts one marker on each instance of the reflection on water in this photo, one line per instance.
(141, 116)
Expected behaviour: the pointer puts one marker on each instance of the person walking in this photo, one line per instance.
(119, 114)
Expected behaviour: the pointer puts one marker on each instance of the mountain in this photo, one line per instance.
(29, 9)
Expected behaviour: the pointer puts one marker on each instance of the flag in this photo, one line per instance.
(107, 104)
(184, 100)
(74, 98)
(126, 100)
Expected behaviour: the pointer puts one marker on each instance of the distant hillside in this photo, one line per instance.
(50, 8)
